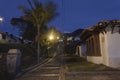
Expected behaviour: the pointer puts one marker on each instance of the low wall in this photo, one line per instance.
(2, 62)
(94, 59)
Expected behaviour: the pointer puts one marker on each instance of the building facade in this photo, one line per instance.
(9, 38)
(103, 43)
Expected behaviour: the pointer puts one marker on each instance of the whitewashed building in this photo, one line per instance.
(9, 38)
(103, 43)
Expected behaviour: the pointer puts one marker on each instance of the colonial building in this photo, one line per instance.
(72, 42)
(103, 43)
(80, 46)
(9, 38)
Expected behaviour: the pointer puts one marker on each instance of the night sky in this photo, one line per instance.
(73, 14)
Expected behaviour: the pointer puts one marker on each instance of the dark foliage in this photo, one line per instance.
(70, 48)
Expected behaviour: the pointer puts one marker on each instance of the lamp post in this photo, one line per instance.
(1, 19)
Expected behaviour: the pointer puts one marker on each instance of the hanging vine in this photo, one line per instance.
(100, 27)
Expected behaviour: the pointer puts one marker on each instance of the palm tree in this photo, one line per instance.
(39, 15)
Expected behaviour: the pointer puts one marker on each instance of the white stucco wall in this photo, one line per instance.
(78, 52)
(104, 58)
(0, 36)
(94, 59)
(113, 47)
(84, 49)
(104, 48)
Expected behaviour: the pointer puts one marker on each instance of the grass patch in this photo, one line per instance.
(76, 64)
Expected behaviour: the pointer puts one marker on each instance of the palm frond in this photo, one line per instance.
(25, 10)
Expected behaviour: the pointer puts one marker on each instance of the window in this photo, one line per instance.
(93, 46)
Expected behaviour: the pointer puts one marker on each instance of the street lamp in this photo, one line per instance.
(1, 19)
(51, 37)
(58, 37)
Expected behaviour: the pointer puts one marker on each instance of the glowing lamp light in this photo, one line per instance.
(51, 37)
(1, 19)
(58, 37)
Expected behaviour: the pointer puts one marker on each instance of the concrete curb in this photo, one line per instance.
(94, 72)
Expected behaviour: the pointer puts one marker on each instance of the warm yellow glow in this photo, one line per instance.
(1, 19)
(58, 37)
(51, 37)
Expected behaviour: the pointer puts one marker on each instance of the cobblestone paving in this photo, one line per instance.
(94, 76)
(50, 71)
(55, 70)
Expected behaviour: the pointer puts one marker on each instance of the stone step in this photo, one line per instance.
(45, 71)
(50, 67)
(39, 78)
(49, 75)
(50, 64)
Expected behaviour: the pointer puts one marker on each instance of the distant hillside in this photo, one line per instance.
(76, 32)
